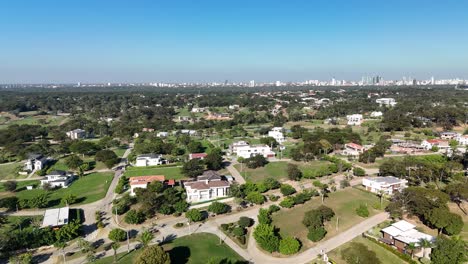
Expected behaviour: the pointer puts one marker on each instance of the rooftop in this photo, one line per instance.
(56, 217)
(146, 179)
(386, 179)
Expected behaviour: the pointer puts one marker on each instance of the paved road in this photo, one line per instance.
(235, 173)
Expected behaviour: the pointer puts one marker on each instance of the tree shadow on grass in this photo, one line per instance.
(179, 255)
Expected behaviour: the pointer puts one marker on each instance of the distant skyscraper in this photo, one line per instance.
(333, 82)
(432, 80)
(252, 83)
(278, 83)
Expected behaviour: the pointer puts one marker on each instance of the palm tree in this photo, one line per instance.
(424, 243)
(115, 246)
(412, 247)
(145, 238)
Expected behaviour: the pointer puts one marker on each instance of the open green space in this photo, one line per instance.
(8, 171)
(343, 203)
(44, 120)
(89, 188)
(385, 256)
(278, 170)
(120, 151)
(169, 172)
(193, 249)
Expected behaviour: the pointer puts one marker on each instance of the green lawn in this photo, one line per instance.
(343, 203)
(8, 171)
(278, 169)
(193, 249)
(88, 189)
(385, 256)
(169, 172)
(120, 151)
(44, 120)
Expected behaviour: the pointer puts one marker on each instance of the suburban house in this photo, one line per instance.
(162, 134)
(253, 150)
(448, 135)
(387, 184)
(207, 187)
(146, 129)
(76, 134)
(149, 160)
(198, 110)
(234, 146)
(36, 162)
(401, 234)
(56, 217)
(462, 140)
(353, 149)
(354, 120)
(189, 132)
(143, 181)
(233, 107)
(197, 156)
(386, 102)
(58, 178)
(430, 143)
(277, 134)
(218, 116)
(376, 114)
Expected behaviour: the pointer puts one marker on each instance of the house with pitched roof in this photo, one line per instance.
(197, 156)
(143, 181)
(36, 162)
(353, 149)
(210, 185)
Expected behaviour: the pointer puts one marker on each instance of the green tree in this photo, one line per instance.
(287, 189)
(195, 147)
(288, 202)
(134, 217)
(316, 234)
(69, 199)
(294, 173)
(255, 197)
(194, 215)
(153, 255)
(245, 221)
(449, 251)
(218, 208)
(264, 216)
(271, 183)
(192, 168)
(73, 162)
(145, 238)
(108, 157)
(115, 246)
(289, 246)
(117, 235)
(357, 171)
(10, 186)
(266, 238)
(214, 159)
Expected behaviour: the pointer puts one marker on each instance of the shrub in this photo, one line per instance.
(316, 234)
(266, 238)
(289, 246)
(294, 173)
(271, 183)
(326, 212)
(273, 197)
(134, 217)
(362, 211)
(357, 171)
(218, 208)
(261, 187)
(264, 216)
(117, 235)
(301, 198)
(224, 227)
(10, 186)
(238, 231)
(317, 184)
(154, 255)
(241, 240)
(288, 202)
(344, 184)
(273, 208)
(255, 197)
(287, 189)
(194, 215)
(245, 221)
(179, 225)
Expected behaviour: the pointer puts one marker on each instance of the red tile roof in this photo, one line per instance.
(354, 146)
(198, 155)
(171, 182)
(146, 179)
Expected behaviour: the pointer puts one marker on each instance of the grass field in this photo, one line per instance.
(385, 256)
(343, 203)
(88, 189)
(193, 249)
(169, 172)
(278, 169)
(8, 171)
(455, 209)
(120, 151)
(44, 120)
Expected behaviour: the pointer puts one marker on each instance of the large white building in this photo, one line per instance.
(387, 184)
(58, 179)
(462, 140)
(354, 120)
(149, 160)
(36, 162)
(277, 134)
(76, 134)
(234, 146)
(253, 150)
(56, 217)
(439, 143)
(386, 101)
(207, 187)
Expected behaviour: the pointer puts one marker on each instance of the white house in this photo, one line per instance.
(162, 134)
(386, 102)
(277, 134)
(188, 132)
(36, 162)
(430, 143)
(449, 135)
(462, 140)
(198, 110)
(234, 146)
(401, 234)
(253, 150)
(143, 181)
(387, 184)
(376, 114)
(234, 107)
(56, 217)
(207, 187)
(58, 179)
(149, 160)
(354, 120)
(76, 134)
(353, 149)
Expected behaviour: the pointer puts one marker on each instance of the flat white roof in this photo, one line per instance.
(56, 217)
(403, 225)
(393, 231)
(413, 236)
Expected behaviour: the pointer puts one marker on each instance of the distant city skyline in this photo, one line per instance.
(89, 41)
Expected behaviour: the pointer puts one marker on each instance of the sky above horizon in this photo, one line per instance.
(237, 40)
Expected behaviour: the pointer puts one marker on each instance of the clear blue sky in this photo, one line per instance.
(197, 40)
